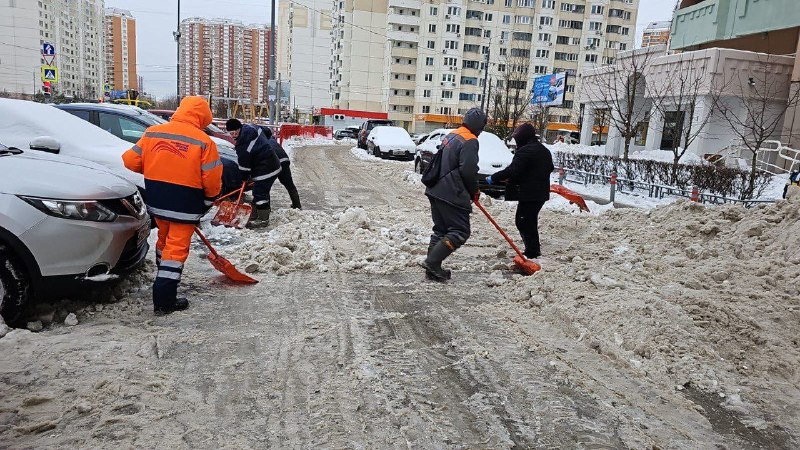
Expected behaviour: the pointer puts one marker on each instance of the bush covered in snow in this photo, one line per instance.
(708, 178)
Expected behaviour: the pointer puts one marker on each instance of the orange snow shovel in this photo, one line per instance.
(524, 264)
(573, 197)
(223, 265)
(235, 215)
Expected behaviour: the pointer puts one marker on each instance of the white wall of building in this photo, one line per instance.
(20, 51)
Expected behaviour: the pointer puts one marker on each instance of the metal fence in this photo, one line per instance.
(653, 190)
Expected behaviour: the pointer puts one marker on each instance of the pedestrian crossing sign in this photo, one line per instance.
(50, 73)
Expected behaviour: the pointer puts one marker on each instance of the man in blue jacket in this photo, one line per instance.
(258, 163)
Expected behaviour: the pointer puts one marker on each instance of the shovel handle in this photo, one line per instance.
(240, 191)
(205, 241)
(491, 219)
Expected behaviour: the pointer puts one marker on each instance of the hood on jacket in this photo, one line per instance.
(194, 111)
(524, 135)
(248, 133)
(475, 120)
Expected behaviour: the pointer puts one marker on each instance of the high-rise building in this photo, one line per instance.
(120, 51)
(656, 33)
(304, 52)
(74, 29)
(435, 54)
(225, 58)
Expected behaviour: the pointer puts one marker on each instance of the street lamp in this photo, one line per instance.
(177, 35)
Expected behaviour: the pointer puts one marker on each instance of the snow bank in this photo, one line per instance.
(683, 293)
(600, 150)
(366, 156)
(297, 142)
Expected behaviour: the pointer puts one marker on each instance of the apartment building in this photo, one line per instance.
(656, 33)
(75, 29)
(120, 50)
(437, 54)
(225, 58)
(304, 52)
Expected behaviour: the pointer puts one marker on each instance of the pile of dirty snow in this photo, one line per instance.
(683, 293)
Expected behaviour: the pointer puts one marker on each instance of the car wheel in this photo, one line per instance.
(14, 285)
(376, 151)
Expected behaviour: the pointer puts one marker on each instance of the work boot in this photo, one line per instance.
(430, 276)
(295, 196)
(259, 218)
(179, 305)
(433, 263)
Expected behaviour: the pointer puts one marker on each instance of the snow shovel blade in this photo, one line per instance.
(227, 269)
(570, 195)
(527, 266)
(234, 215)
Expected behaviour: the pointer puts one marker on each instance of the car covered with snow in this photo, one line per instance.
(130, 122)
(36, 126)
(493, 156)
(366, 128)
(64, 222)
(391, 142)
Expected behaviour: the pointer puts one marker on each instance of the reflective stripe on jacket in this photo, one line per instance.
(181, 167)
(256, 156)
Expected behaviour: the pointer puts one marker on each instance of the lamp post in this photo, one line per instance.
(177, 35)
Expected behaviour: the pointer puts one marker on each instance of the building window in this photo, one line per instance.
(426, 93)
(432, 28)
(434, 11)
(426, 109)
(548, 4)
(429, 61)
(545, 21)
(447, 94)
(428, 77)
(431, 44)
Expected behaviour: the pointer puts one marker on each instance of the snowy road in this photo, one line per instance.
(349, 358)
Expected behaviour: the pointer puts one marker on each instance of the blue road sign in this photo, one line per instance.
(48, 49)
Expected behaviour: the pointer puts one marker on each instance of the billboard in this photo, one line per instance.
(548, 90)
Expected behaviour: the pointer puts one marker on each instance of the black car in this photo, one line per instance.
(367, 126)
(129, 123)
(346, 133)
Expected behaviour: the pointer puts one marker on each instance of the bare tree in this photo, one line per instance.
(512, 94)
(170, 103)
(754, 105)
(539, 114)
(677, 94)
(617, 88)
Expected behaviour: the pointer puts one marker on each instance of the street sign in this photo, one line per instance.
(48, 49)
(50, 73)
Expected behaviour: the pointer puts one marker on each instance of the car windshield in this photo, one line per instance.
(372, 125)
(151, 118)
(215, 129)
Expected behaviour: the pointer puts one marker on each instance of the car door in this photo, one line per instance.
(121, 126)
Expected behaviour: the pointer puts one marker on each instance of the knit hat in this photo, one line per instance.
(233, 124)
(475, 120)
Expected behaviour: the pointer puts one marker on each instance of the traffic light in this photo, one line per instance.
(47, 89)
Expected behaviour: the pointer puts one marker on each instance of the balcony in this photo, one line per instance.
(404, 52)
(405, 36)
(410, 69)
(404, 19)
(411, 4)
(403, 85)
(717, 20)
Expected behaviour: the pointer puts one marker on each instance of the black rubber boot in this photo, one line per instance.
(179, 305)
(295, 196)
(259, 218)
(433, 263)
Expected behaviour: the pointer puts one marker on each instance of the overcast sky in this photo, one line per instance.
(156, 20)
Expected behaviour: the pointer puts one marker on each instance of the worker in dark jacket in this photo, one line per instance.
(258, 163)
(285, 177)
(452, 194)
(528, 178)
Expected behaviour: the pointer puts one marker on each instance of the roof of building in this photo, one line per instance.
(118, 12)
(664, 25)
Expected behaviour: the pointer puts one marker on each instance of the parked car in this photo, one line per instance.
(346, 133)
(367, 127)
(493, 156)
(391, 142)
(130, 122)
(420, 138)
(36, 126)
(50, 245)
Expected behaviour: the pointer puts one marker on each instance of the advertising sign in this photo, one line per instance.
(548, 90)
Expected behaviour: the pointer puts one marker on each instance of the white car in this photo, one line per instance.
(391, 142)
(64, 222)
(36, 126)
(493, 155)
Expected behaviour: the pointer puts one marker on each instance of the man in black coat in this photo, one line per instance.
(259, 163)
(528, 178)
(285, 177)
(451, 195)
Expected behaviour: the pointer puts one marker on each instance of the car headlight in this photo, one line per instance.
(73, 210)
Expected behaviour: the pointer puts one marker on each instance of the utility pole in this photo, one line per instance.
(177, 35)
(485, 79)
(278, 99)
(273, 63)
(210, 79)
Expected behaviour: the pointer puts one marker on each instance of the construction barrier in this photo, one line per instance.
(306, 131)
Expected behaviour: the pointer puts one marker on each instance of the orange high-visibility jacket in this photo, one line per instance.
(180, 164)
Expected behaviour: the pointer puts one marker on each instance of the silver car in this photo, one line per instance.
(65, 223)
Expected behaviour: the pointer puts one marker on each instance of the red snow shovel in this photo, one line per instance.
(235, 215)
(525, 265)
(223, 265)
(573, 197)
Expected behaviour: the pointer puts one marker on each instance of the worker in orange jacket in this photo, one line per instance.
(183, 175)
